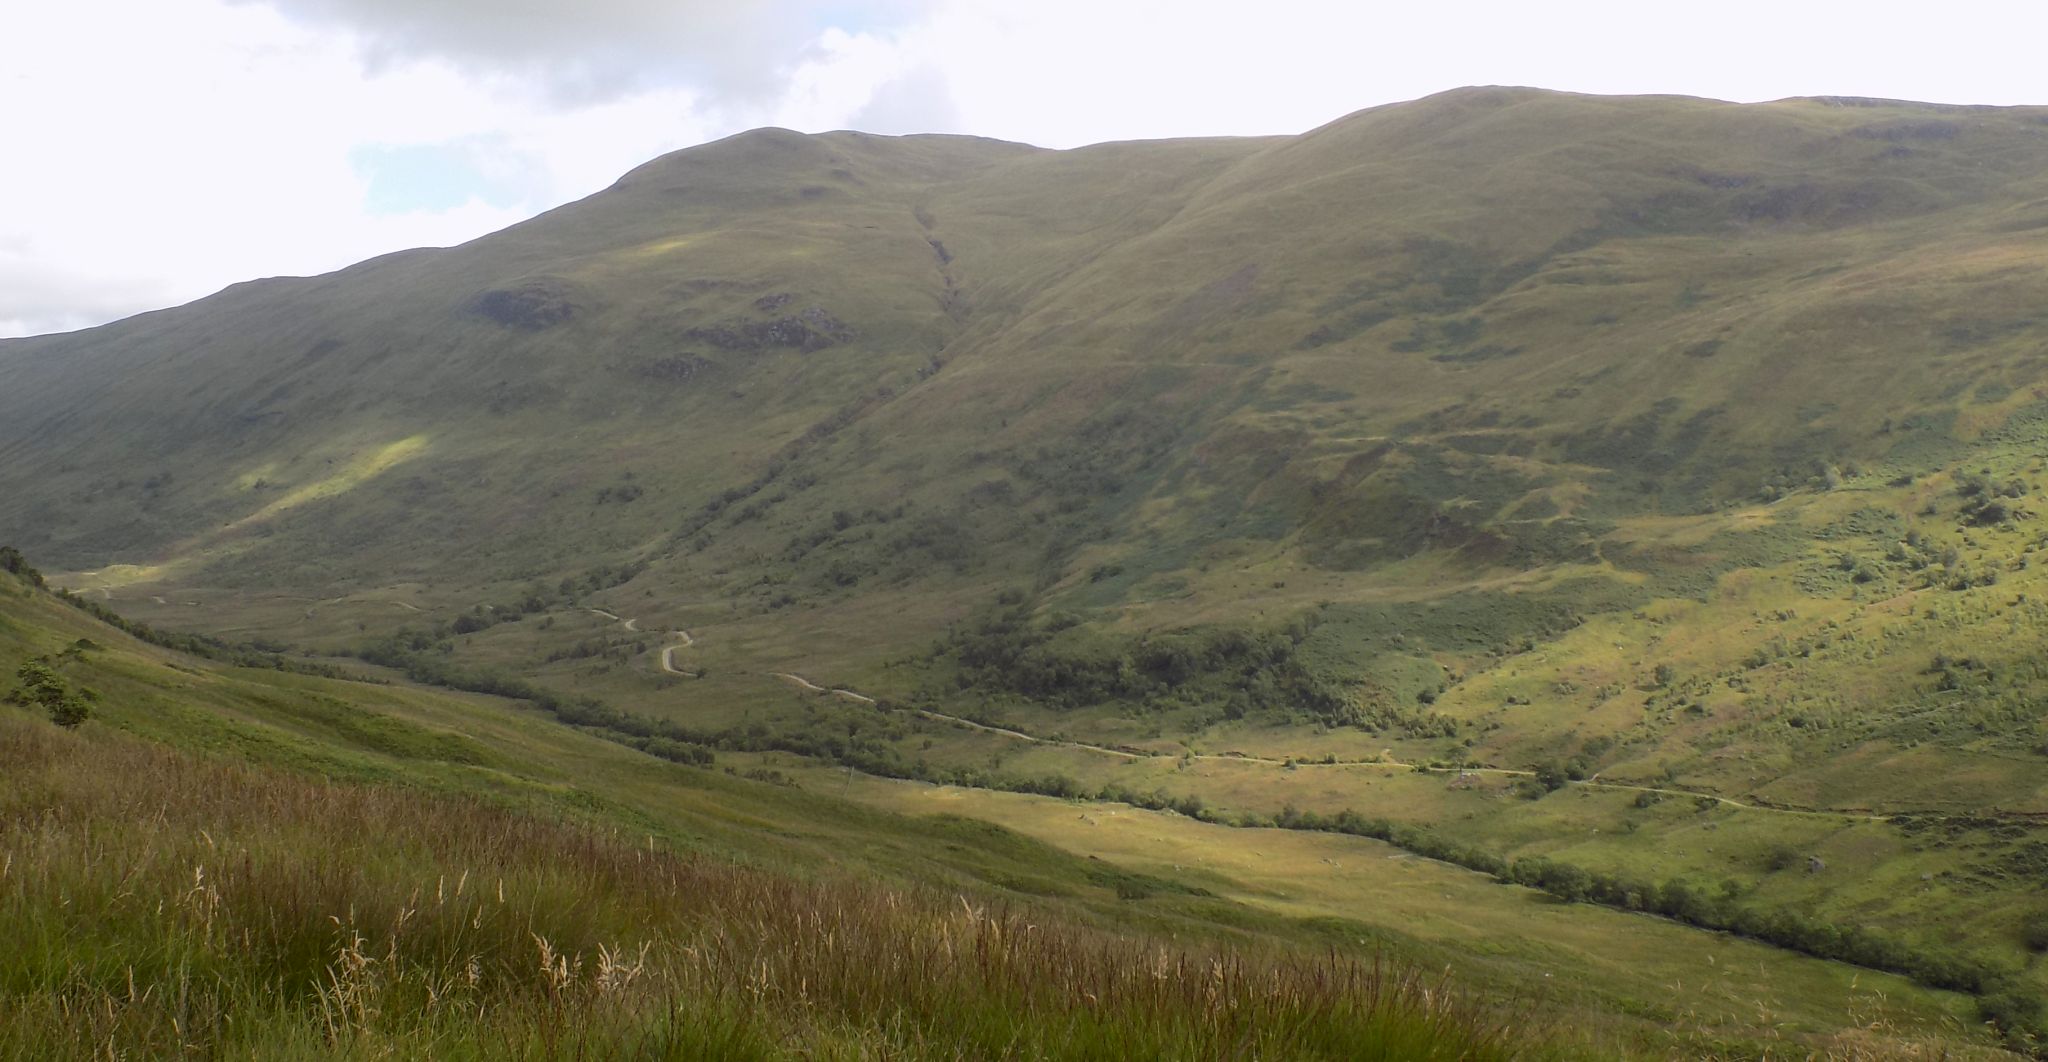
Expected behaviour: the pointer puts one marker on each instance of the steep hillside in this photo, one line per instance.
(1483, 324)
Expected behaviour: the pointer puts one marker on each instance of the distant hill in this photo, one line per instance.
(1486, 323)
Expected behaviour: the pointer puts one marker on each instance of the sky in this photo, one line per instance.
(155, 151)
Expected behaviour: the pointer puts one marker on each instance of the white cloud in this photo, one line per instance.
(190, 146)
(602, 49)
(847, 73)
(919, 100)
(1067, 72)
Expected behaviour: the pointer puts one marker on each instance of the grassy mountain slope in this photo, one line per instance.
(1370, 341)
(248, 860)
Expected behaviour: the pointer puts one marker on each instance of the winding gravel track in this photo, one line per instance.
(668, 653)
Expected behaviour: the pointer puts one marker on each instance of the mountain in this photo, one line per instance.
(1627, 496)
(1563, 305)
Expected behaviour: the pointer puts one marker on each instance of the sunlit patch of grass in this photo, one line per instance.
(215, 545)
(115, 576)
(657, 248)
(359, 471)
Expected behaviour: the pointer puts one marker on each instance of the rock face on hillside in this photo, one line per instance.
(531, 305)
(811, 330)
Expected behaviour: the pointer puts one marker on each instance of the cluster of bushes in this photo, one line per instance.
(1956, 673)
(676, 751)
(842, 520)
(1718, 908)
(539, 598)
(946, 536)
(1551, 775)
(1157, 800)
(860, 739)
(900, 543)
(1006, 651)
(1820, 476)
(812, 436)
(867, 753)
(1097, 457)
(41, 687)
(1416, 839)
(1242, 672)
(619, 649)
(1986, 502)
(731, 496)
(13, 563)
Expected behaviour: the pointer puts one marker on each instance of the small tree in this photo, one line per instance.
(12, 562)
(42, 687)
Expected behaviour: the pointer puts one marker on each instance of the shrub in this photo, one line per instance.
(2016, 1012)
(43, 688)
(13, 563)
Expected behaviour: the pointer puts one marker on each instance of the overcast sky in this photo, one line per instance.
(158, 150)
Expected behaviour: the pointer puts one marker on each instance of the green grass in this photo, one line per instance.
(232, 880)
(158, 903)
(337, 869)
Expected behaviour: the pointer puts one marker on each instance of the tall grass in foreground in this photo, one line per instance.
(156, 904)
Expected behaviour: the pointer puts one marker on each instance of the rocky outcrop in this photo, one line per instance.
(531, 305)
(673, 369)
(811, 330)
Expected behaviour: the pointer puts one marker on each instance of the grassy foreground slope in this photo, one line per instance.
(244, 861)
(162, 904)
(445, 899)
